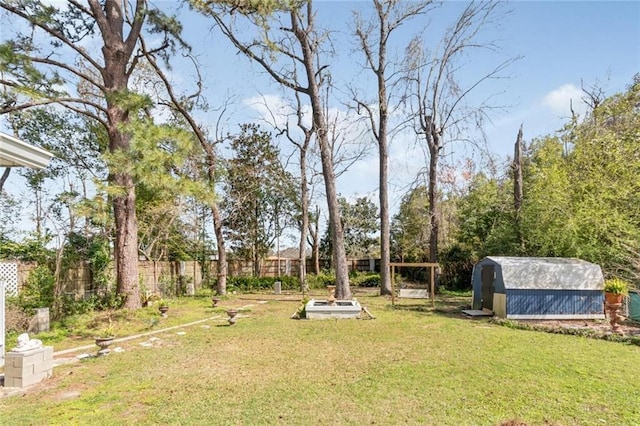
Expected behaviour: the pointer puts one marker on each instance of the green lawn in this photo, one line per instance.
(411, 365)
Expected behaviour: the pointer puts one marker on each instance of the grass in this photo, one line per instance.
(411, 365)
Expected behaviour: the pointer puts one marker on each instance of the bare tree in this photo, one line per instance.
(182, 107)
(295, 40)
(300, 135)
(592, 96)
(314, 237)
(303, 151)
(373, 38)
(438, 99)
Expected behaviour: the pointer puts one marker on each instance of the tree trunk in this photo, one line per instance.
(4, 177)
(116, 52)
(385, 245)
(221, 286)
(434, 151)
(343, 291)
(315, 236)
(126, 242)
(124, 211)
(57, 287)
(339, 255)
(304, 195)
(385, 251)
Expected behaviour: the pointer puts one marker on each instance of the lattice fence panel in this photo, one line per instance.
(9, 276)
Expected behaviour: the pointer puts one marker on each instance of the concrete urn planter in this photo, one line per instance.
(163, 310)
(232, 316)
(103, 343)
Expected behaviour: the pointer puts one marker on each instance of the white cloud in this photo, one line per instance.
(561, 100)
(272, 109)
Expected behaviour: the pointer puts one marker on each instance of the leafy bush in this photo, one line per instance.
(166, 285)
(38, 290)
(71, 306)
(107, 300)
(209, 282)
(365, 279)
(457, 265)
(320, 281)
(251, 284)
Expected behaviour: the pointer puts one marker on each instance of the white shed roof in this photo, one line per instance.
(16, 153)
(549, 273)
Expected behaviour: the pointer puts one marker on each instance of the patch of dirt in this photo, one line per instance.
(629, 329)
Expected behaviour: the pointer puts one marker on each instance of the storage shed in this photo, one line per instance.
(538, 288)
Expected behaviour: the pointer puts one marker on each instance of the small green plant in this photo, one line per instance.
(108, 331)
(166, 285)
(616, 286)
(301, 313)
(320, 281)
(163, 303)
(146, 297)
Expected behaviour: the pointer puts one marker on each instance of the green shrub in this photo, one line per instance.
(38, 290)
(252, 284)
(365, 279)
(457, 266)
(320, 281)
(107, 300)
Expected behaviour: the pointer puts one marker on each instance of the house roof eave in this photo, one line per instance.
(16, 153)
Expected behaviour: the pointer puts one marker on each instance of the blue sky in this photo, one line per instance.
(560, 45)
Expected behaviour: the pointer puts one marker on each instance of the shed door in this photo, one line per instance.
(487, 275)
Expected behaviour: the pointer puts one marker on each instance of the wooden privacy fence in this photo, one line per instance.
(171, 277)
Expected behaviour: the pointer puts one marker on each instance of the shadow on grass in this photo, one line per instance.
(450, 306)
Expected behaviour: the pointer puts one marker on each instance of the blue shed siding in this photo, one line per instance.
(554, 302)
